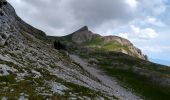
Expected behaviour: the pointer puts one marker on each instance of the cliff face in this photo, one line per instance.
(86, 38)
(10, 22)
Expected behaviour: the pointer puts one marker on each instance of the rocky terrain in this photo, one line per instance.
(102, 68)
(116, 89)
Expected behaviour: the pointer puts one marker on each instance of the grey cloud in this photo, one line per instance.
(153, 7)
(60, 17)
(97, 12)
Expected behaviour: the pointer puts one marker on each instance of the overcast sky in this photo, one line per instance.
(144, 22)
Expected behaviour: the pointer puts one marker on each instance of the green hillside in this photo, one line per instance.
(143, 77)
(115, 57)
(100, 44)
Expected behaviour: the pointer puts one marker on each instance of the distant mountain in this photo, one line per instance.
(159, 61)
(85, 38)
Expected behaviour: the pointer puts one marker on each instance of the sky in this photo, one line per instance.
(146, 23)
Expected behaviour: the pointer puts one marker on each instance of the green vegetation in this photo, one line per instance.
(94, 41)
(139, 84)
(100, 44)
(63, 39)
(122, 67)
(8, 79)
(12, 89)
(97, 43)
(59, 46)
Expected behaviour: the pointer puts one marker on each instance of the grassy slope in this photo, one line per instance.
(101, 44)
(121, 66)
(96, 43)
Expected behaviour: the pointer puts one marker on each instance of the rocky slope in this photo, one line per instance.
(30, 68)
(85, 38)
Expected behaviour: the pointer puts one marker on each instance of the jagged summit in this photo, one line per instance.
(83, 34)
(84, 28)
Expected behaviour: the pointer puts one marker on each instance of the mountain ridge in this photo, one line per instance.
(84, 36)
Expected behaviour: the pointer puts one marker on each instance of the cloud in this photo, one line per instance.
(139, 33)
(61, 17)
(94, 12)
(124, 35)
(132, 3)
(154, 21)
(156, 49)
(153, 7)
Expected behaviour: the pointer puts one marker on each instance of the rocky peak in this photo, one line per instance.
(82, 35)
(84, 28)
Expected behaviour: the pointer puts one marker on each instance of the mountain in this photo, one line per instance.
(30, 67)
(120, 59)
(91, 68)
(85, 38)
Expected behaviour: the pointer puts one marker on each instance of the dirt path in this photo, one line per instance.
(117, 90)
